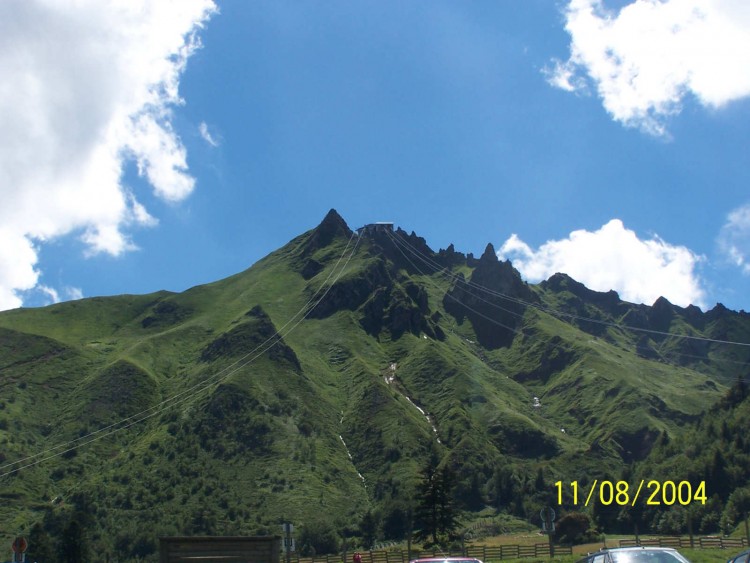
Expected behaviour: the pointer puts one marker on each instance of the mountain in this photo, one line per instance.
(311, 388)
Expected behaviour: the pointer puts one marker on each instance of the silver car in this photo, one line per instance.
(743, 557)
(635, 555)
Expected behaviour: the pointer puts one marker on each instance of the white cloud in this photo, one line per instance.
(41, 295)
(86, 86)
(734, 239)
(73, 293)
(614, 258)
(52, 295)
(17, 260)
(203, 128)
(644, 60)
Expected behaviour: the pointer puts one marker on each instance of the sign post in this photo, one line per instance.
(288, 540)
(19, 547)
(548, 524)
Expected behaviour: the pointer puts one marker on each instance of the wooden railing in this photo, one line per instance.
(485, 553)
(707, 542)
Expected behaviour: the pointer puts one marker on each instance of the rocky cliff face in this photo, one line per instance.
(489, 300)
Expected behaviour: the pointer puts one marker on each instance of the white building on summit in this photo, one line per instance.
(373, 228)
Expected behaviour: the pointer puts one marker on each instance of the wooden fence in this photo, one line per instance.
(708, 542)
(485, 553)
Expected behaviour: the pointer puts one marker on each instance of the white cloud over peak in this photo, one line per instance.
(645, 59)
(734, 238)
(614, 258)
(87, 86)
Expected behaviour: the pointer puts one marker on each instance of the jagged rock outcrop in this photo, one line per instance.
(490, 300)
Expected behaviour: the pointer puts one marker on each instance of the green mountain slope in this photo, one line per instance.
(312, 386)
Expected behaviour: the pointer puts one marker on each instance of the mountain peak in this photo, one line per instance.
(333, 225)
(489, 254)
(333, 221)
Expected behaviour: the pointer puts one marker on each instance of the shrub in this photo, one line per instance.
(575, 528)
(318, 537)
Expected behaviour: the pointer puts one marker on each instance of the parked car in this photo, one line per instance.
(743, 557)
(635, 555)
(446, 560)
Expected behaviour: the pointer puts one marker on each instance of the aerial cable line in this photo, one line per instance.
(459, 279)
(552, 311)
(203, 384)
(197, 388)
(490, 319)
(667, 353)
(440, 269)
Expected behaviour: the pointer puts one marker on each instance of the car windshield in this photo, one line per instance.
(647, 556)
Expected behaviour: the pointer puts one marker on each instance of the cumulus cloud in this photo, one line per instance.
(614, 258)
(87, 86)
(734, 239)
(645, 59)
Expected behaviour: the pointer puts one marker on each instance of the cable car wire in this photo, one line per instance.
(191, 392)
(556, 312)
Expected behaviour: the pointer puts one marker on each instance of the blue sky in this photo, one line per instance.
(159, 147)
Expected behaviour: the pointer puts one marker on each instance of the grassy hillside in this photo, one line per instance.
(310, 388)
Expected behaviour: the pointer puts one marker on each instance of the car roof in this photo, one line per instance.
(626, 549)
(640, 548)
(634, 548)
(435, 559)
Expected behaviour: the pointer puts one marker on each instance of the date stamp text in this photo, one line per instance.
(651, 492)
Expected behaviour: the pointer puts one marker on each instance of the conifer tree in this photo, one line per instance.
(74, 545)
(436, 517)
(41, 547)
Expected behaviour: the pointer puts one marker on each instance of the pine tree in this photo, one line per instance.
(41, 547)
(73, 546)
(368, 529)
(436, 517)
(447, 513)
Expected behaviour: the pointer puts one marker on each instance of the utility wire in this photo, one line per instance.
(439, 269)
(191, 392)
(490, 319)
(458, 279)
(556, 312)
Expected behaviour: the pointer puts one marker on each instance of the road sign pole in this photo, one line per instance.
(550, 531)
(288, 542)
(547, 515)
(19, 547)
